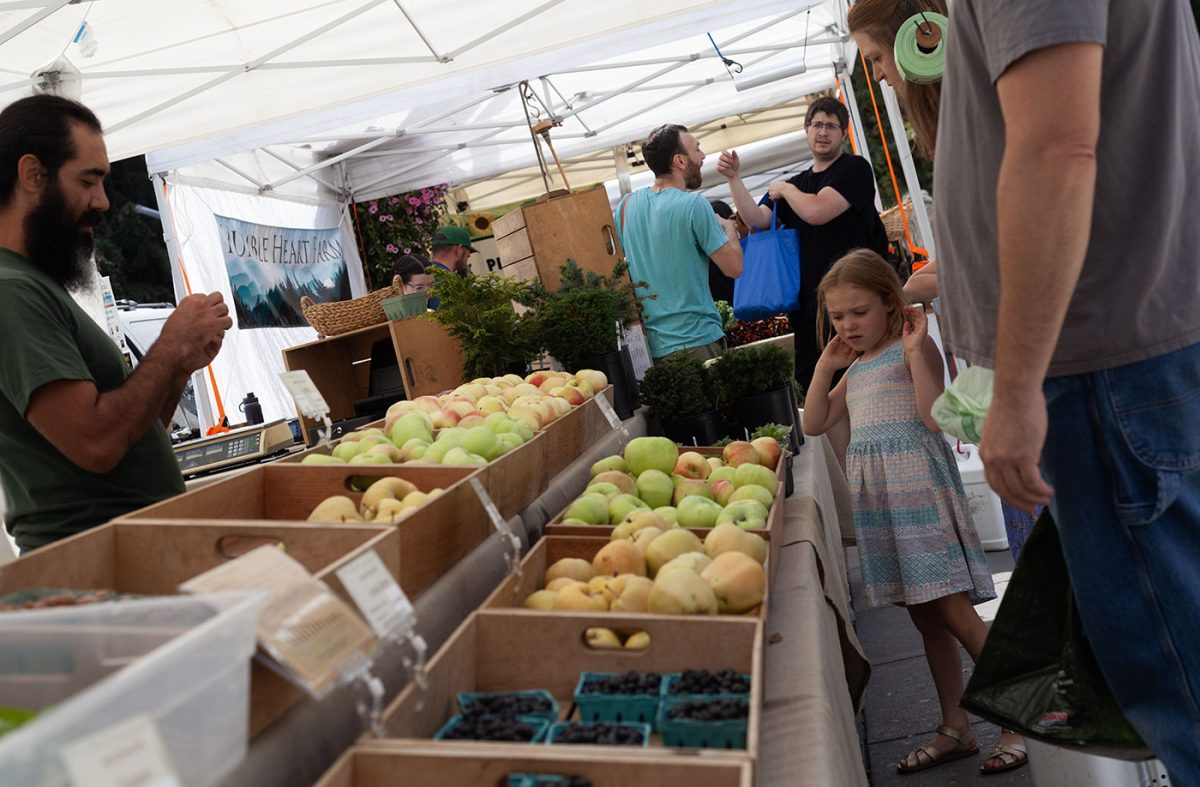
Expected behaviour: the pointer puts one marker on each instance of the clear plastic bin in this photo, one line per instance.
(184, 660)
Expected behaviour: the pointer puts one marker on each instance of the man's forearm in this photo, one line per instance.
(750, 211)
(1044, 209)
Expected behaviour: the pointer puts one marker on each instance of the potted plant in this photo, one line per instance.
(578, 325)
(680, 393)
(478, 312)
(755, 384)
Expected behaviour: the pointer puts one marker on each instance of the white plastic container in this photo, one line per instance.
(183, 660)
(1053, 766)
(986, 513)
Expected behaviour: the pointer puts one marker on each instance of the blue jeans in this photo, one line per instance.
(1123, 454)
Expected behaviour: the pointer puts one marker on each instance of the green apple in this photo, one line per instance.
(614, 462)
(455, 435)
(722, 473)
(620, 506)
(690, 487)
(622, 481)
(745, 514)
(412, 425)
(436, 452)
(591, 508)
(322, 459)
(752, 492)
(608, 490)
(722, 490)
(655, 488)
(347, 451)
(523, 429)
(482, 441)
(669, 546)
(366, 458)
(510, 440)
(669, 515)
(651, 453)
(461, 456)
(698, 511)
(755, 474)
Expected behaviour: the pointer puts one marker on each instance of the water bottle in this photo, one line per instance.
(251, 409)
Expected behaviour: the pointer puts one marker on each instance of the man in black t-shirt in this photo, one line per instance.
(832, 205)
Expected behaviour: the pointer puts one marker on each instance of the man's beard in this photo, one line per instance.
(692, 179)
(57, 244)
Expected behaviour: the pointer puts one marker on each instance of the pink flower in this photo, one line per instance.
(393, 200)
(373, 208)
(407, 250)
(414, 201)
(392, 249)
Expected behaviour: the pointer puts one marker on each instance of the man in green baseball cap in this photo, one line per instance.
(451, 249)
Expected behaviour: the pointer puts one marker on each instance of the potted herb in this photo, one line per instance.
(478, 312)
(578, 325)
(680, 393)
(755, 384)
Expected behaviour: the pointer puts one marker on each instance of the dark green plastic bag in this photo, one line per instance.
(1037, 674)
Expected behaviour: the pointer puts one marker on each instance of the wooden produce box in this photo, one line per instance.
(513, 480)
(379, 763)
(571, 436)
(536, 240)
(513, 591)
(515, 650)
(155, 558)
(432, 539)
(431, 360)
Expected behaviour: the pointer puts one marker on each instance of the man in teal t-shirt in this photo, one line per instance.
(669, 236)
(82, 440)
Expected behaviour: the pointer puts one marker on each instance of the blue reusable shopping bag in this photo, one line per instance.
(770, 280)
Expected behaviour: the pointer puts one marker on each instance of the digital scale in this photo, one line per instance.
(236, 447)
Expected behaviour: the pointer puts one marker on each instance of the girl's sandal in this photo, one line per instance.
(927, 756)
(1011, 755)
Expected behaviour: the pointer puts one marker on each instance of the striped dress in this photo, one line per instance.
(916, 542)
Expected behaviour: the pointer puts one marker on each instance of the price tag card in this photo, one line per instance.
(129, 753)
(634, 337)
(377, 594)
(606, 408)
(308, 630)
(308, 399)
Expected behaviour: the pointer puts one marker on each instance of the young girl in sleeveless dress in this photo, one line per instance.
(917, 547)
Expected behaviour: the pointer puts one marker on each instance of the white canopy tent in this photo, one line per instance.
(286, 110)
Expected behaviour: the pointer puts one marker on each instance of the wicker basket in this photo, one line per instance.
(338, 317)
(892, 222)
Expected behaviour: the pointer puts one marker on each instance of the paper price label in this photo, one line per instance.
(377, 594)
(308, 399)
(127, 754)
(610, 414)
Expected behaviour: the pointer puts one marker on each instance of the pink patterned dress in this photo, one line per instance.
(916, 542)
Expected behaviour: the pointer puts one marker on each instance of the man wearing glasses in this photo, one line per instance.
(831, 204)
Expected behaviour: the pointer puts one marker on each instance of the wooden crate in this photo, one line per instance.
(431, 360)
(508, 650)
(572, 435)
(513, 480)
(516, 588)
(155, 558)
(378, 764)
(432, 539)
(576, 226)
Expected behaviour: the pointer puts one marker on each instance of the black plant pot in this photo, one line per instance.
(702, 429)
(618, 368)
(777, 406)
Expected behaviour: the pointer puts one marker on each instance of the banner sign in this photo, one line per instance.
(271, 268)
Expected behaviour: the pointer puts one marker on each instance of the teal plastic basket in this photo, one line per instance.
(466, 699)
(693, 734)
(556, 729)
(404, 306)
(539, 725)
(537, 779)
(671, 678)
(638, 708)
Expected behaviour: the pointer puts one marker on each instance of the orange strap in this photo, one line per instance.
(888, 157)
(850, 130)
(187, 285)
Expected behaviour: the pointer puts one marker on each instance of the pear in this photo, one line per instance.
(338, 508)
(390, 510)
(541, 599)
(388, 487)
(602, 638)
(638, 640)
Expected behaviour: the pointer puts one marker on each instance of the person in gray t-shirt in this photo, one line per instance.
(1066, 175)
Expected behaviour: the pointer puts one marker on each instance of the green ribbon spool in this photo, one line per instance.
(921, 68)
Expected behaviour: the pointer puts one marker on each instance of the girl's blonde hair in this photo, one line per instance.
(866, 269)
(881, 20)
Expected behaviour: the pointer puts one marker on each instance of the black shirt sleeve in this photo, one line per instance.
(854, 180)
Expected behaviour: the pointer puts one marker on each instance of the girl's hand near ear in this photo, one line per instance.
(916, 328)
(837, 355)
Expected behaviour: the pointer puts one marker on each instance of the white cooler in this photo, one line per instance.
(986, 513)
(1052, 766)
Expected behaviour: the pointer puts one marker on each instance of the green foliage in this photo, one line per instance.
(579, 320)
(391, 227)
(724, 441)
(478, 312)
(780, 433)
(130, 249)
(725, 311)
(745, 371)
(678, 387)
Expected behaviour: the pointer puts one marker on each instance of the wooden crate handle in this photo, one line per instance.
(232, 546)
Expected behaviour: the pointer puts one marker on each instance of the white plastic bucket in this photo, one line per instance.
(1053, 766)
(986, 514)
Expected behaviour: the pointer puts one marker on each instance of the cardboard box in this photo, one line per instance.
(432, 539)
(155, 558)
(517, 587)
(512, 650)
(379, 763)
